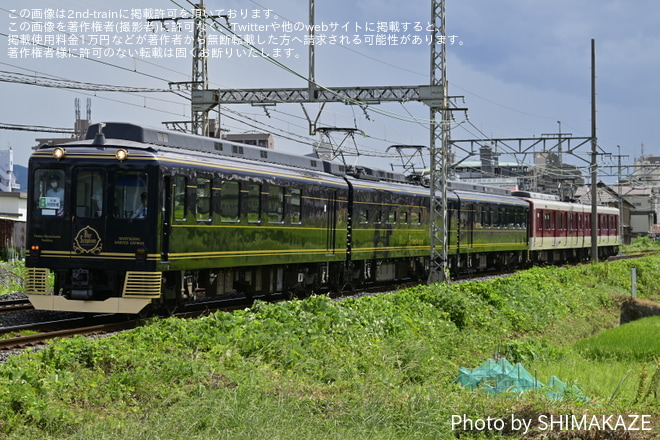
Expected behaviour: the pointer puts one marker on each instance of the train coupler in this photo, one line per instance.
(81, 285)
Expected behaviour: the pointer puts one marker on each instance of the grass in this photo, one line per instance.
(641, 244)
(635, 341)
(370, 368)
(610, 382)
(11, 277)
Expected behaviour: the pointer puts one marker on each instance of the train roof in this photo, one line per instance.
(546, 201)
(534, 195)
(184, 141)
(139, 136)
(466, 193)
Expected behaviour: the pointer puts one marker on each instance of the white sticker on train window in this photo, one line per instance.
(49, 203)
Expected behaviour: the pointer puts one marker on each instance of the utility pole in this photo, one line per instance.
(594, 157)
(200, 70)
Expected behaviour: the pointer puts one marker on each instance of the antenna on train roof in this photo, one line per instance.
(99, 139)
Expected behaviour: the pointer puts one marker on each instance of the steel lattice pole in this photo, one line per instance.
(440, 154)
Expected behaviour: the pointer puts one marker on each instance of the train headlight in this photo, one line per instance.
(59, 153)
(121, 155)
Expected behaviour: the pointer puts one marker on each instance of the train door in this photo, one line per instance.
(167, 218)
(561, 229)
(467, 226)
(88, 219)
(455, 218)
(331, 221)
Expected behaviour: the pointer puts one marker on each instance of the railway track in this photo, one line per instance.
(72, 324)
(633, 255)
(37, 338)
(15, 305)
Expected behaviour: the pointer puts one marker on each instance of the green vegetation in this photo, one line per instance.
(641, 244)
(11, 277)
(370, 368)
(637, 341)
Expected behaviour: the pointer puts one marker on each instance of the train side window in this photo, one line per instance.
(129, 188)
(363, 216)
(229, 201)
(415, 218)
(514, 217)
(546, 221)
(203, 199)
(296, 205)
(254, 202)
(403, 217)
(179, 197)
(501, 217)
(506, 217)
(485, 217)
(477, 217)
(391, 216)
(378, 216)
(275, 204)
(49, 192)
(523, 218)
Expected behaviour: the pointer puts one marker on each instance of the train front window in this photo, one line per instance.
(131, 195)
(49, 192)
(90, 193)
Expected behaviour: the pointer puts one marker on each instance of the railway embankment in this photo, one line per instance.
(633, 309)
(372, 367)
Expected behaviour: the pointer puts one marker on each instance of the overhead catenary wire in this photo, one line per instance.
(61, 83)
(47, 80)
(227, 31)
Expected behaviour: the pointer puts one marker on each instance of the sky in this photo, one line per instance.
(522, 69)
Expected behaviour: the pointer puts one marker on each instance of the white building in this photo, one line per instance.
(7, 177)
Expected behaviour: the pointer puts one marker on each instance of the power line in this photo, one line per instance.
(44, 80)
(36, 128)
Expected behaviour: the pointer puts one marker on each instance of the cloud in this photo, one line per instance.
(522, 67)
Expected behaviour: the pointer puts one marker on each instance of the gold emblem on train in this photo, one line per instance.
(87, 241)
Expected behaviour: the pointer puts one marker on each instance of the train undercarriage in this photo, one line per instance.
(130, 292)
(290, 280)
